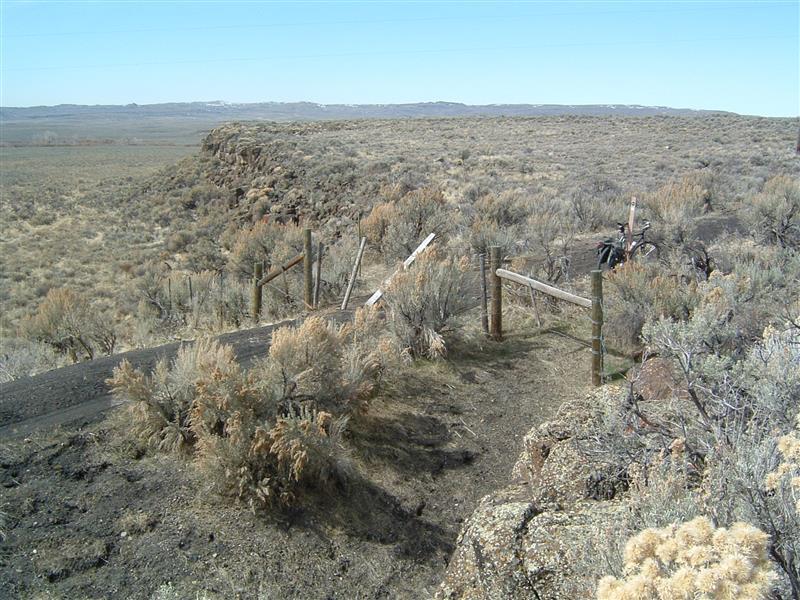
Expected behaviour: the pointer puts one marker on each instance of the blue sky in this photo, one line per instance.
(737, 56)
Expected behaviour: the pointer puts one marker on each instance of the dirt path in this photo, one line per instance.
(79, 392)
(89, 514)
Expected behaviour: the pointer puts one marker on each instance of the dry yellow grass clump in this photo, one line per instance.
(693, 560)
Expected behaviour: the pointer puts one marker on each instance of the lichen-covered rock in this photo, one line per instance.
(487, 563)
(524, 540)
(510, 550)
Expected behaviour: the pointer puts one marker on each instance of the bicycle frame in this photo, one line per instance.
(613, 252)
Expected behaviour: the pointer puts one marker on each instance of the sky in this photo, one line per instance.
(737, 56)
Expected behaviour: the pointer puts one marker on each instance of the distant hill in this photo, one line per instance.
(187, 122)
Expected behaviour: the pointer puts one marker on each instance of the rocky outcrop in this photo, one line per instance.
(528, 539)
(295, 172)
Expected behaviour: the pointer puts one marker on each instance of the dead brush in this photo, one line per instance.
(676, 205)
(306, 443)
(375, 225)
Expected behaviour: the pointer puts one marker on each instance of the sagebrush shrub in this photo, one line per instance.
(261, 436)
(69, 323)
(161, 402)
(506, 209)
(366, 356)
(337, 265)
(639, 293)
(375, 225)
(307, 359)
(484, 233)
(732, 399)
(423, 299)
(305, 443)
(550, 235)
(787, 473)
(773, 216)
(675, 206)
(694, 560)
(418, 213)
(270, 242)
(20, 357)
(596, 203)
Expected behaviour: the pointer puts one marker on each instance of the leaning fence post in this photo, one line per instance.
(356, 266)
(318, 274)
(258, 272)
(484, 310)
(597, 328)
(496, 321)
(308, 259)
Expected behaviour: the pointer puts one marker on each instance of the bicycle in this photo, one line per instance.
(612, 252)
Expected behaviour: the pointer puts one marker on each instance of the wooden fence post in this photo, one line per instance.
(308, 259)
(496, 320)
(318, 274)
(484, 309)
(258, 272)
(360, 238)
(597, 328)
(354, 274)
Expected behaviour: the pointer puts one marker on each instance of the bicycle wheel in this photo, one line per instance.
(644, 252)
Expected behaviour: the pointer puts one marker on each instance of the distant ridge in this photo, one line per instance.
(186, 123)
(310, 110)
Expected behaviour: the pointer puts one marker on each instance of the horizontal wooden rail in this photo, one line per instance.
(282, 269)
(544, 288)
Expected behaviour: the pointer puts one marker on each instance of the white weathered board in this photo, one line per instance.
(406, 263)
(544, 288)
